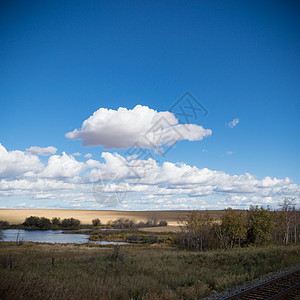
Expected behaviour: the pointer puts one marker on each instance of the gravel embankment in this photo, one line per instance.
(253, 283)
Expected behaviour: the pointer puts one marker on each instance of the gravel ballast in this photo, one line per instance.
(250, 284)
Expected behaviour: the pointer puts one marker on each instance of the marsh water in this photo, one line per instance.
(50, 236)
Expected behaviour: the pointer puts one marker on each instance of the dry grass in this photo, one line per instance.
(17, 216)
(162, 229)
(132, 272)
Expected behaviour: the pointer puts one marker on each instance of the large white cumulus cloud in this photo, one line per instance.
(16, 163)
(62, 166)
(141, 127)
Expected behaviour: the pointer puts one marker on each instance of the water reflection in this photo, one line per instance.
(50, 236)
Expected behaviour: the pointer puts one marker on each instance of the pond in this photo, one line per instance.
(50, 236)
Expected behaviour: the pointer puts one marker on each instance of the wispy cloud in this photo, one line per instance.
(233, 123)
(76, 154)
(42, 151)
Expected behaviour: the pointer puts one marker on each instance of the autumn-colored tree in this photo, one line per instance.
(288, 217)
(198, 228)
(234, 226)
(220, 234)
(260, 222)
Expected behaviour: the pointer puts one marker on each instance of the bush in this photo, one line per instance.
(141, 224)
(134, 239)
(152, 239)
(152, 222)
(31, 221)
(44, 223)
(96, 222)
(123, 223)
(56, 221)
(3, 224)
(70, 222)
(36, 222)
(163, 223)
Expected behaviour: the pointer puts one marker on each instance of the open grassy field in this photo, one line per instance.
(133, 272)
(17, 216)
(169, 228)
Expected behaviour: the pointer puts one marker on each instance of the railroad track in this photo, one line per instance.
(285, 287)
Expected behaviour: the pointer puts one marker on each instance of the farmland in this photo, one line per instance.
(17, 216)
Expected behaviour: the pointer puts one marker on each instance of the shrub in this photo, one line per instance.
(3, 224)
(141, 224)
(123, 223)
(152, 222)
(163, 223)
(96, 222)
(152, 239)
(44, 223)
(70, 222)
(31, 221)
(36, 222)
(133, 239)
(56, 221)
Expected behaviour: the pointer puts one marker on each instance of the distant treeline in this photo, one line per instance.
(255, 226)
(127, 223)
(34, 222)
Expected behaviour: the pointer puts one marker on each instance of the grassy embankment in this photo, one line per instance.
(136, 272)
(132, 236)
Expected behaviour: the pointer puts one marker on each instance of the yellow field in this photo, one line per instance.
(17, 216)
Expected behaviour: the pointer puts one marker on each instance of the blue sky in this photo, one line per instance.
(61, 61)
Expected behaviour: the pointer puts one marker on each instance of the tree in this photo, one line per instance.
(260, 225)
(198, 230)
(288, 215)
(96, 222)
(234, 226)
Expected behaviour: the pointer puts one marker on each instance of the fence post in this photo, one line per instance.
(52, 261)
(10, 263)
